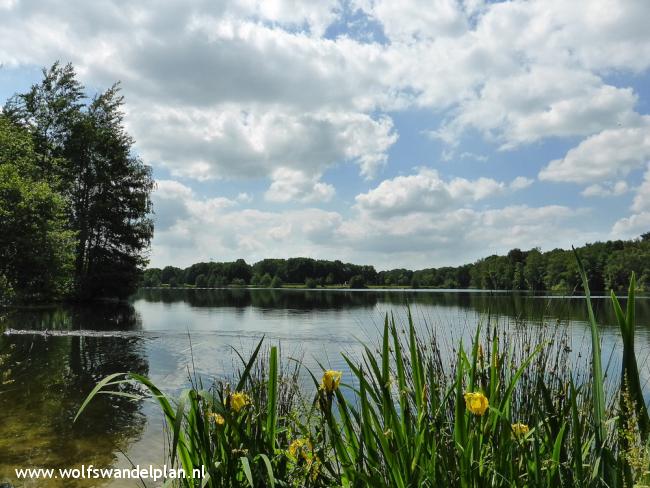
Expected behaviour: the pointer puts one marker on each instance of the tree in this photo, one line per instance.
(518, 280)
(152, 277)
(35, 246)
(311, 283)
(170, 272)
(357, 282)
(266, 280)
(276, 282)
(534, 270)
(201, 281)
(84, 146)
(330, 279)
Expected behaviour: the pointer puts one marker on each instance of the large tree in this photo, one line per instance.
(83, 145)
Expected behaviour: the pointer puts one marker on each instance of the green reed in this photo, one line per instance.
(506, 411)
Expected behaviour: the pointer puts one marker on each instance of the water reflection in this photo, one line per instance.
(511, 304)
(262, 298)
(47, 378)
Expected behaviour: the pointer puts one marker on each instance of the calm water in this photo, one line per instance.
(46, 377)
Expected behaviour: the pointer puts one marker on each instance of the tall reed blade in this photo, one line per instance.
(630, 379)
(598, 392)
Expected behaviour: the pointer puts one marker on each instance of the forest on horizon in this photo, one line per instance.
(608, 266)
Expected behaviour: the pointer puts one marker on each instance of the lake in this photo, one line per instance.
(166, 333)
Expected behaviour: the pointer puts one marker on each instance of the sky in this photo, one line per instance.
(395, 133)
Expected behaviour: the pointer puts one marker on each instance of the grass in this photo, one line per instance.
(506, 412)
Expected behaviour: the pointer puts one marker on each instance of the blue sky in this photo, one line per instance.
(412, 133)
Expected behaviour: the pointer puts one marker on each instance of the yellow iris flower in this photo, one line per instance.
(476, 402)
(218, 418)
(331, 380)
(520, 429)
(239, 400)
(300, 447)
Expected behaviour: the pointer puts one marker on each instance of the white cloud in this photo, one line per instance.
(460, 235)
(415, 20)
(424, 191)
(206, 75)
(607, 190)
(520, 183)
(607, 155)
(232, 142)
(632, 226)
(252, 89)
(642, 199)
(427, 192)
(289, 185)
(542, 102)
(174, 202)
(639, 221)
(411, 237)
(244, 197)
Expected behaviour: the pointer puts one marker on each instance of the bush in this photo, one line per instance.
(311, 283)
(276, 282)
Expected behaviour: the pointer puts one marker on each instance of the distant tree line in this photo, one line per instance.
(266, 273)
(608, 263)
(74, 200)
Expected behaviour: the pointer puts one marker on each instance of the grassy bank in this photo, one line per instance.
(508, 411)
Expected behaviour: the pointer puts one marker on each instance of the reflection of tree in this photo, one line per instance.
(51, 377)
(517, 305)
(264, 299)
(99, 316)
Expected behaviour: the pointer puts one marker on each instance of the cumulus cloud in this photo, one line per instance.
(632, 226)
(606, 190)
(542, 102)
(270, 90)
(642, 198)
(203, 74)
(408, 237)
(417, 20)
(520, 183)
(639, 221)
(426, 191)
(607, 155)
(291, 185)
(232, 142)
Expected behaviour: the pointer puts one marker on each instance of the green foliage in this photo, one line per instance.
(607, 263)
(266, 280)
(152, 277)
(276, 282)
(357, 281)
(201, 281)
(311, 283)
(35, 245)
(85, 155)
